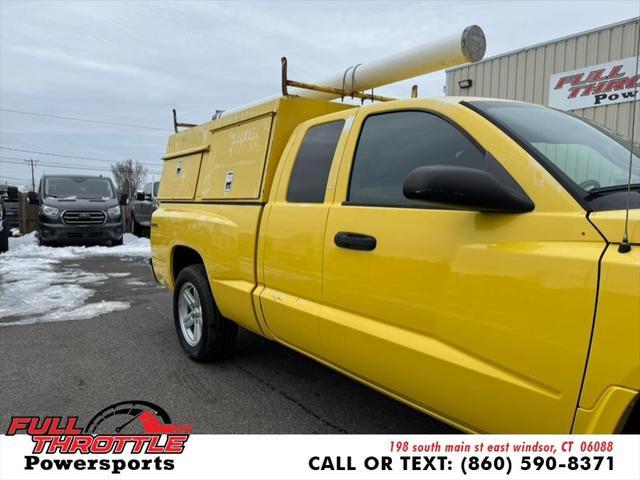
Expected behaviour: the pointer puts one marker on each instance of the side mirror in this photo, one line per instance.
(139, 196)
(124, 198)
(464, 188)
(33, 198)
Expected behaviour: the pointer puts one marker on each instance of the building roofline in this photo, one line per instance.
(548, 42)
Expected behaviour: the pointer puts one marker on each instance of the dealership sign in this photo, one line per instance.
(595, 85)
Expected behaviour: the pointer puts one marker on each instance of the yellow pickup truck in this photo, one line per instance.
(461, 255)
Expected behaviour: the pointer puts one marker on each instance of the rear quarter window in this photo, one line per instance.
(308, 181)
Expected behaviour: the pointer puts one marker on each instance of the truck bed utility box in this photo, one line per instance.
(234, 157)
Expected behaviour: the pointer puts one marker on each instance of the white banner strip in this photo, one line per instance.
(341, 457)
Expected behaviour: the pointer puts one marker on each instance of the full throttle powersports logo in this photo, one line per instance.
(595, 85)
(133, 427)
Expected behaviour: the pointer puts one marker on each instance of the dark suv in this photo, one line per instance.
(78, 209)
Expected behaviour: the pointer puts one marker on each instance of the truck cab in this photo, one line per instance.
(464, 256)
(78, 209)
(142, 207)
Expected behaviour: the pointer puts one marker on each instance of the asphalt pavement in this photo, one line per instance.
(77, 367)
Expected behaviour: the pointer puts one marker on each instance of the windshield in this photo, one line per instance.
(78, 187)
(590, 155)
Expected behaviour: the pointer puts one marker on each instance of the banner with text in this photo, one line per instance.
(182, 456)
(595, 85)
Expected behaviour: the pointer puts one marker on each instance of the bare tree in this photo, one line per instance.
(129, 176)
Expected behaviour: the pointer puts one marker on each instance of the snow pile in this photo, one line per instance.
(36, 288)
(132, 246)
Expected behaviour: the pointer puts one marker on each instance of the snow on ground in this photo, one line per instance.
(133, 246)
(36, 288)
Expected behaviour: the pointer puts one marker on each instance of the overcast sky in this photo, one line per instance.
(132, 62)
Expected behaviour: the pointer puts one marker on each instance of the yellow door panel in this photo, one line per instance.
(443, 312)
(482, 318)
(292, 319)
(293, 240)
(235, 164)
(293, 272)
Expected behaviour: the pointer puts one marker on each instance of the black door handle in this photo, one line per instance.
(355, 241)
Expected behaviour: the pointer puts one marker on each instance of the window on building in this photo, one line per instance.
(391, 145)
(310, 172)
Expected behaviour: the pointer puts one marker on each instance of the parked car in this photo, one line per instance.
(78, 209)
(464, 256)
(4, 228)
(11, 200)
(142, 208)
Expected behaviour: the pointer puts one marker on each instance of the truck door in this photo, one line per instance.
(293, 241)
(480, 318)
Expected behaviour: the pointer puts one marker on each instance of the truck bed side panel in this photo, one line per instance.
(224, 235)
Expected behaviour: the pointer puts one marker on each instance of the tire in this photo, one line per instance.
(135, 228)
(116, 243)
(44, 243)
(4, 238)
(217, 334)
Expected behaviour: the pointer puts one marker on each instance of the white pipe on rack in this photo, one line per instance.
(437, 55)
(456, 49)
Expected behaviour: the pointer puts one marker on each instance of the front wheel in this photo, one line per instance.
(203, 332)
(44, 243)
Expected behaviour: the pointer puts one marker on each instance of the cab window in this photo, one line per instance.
(308, 180)
(391, 145)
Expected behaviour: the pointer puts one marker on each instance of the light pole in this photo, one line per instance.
(33, 177)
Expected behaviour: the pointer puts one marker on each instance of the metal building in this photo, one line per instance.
(591, 74)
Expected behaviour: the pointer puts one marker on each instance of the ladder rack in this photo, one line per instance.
(286, 82)
(177, 124)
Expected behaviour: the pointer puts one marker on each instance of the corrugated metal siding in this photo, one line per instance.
(524, 75)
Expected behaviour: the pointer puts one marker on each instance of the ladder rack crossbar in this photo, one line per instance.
(286, 82)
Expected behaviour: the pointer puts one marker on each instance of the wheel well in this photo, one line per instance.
(183, 257)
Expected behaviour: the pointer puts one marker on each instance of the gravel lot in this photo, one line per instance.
(77, 367)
